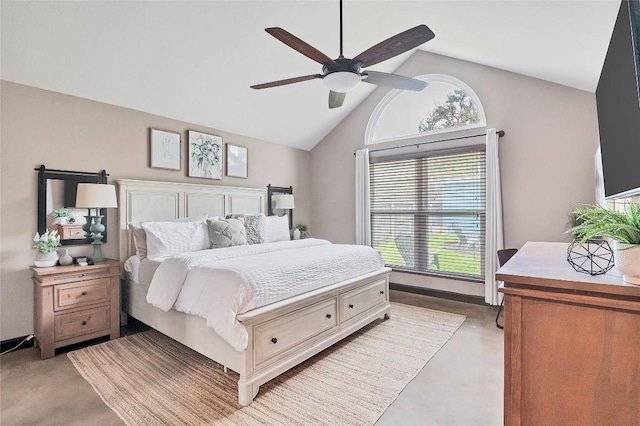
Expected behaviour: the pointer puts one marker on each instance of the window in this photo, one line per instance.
(428, 211)
(447, 104)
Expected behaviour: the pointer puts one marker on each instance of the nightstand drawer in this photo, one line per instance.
(79, 294)
(70, 232)
(81, 273)
(68, 326)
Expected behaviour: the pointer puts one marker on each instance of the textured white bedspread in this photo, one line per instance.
(225, 282)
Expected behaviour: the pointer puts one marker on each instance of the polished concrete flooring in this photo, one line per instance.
(461, 385)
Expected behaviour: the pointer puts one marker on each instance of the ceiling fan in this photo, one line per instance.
(343, 74)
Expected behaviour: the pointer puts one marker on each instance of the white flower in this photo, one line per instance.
(36, 237)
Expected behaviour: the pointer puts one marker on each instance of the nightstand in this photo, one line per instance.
(71, 232)
(75, 303)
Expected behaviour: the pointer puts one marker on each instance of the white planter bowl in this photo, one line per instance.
(627, 257)
(45, 260)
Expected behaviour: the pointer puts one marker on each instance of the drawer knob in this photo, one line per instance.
(84, 293)
(381, 291)
(84, 323)
(274, 340)
(328, 315)
(351, 306)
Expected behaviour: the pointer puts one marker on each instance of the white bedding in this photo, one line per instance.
(218, 284)
(140, 270)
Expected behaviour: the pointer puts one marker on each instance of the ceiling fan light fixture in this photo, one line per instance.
(341, 81)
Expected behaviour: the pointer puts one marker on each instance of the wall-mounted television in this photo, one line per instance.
(618, 103)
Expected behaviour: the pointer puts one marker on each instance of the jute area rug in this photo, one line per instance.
(149, 379)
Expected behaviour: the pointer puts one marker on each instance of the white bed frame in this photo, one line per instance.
(282, 334)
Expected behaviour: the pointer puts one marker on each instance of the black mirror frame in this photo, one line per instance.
(275, 190)
(79, 177)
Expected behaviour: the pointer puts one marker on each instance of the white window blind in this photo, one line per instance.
(428, 211)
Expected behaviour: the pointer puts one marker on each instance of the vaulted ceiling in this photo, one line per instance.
(195, 61)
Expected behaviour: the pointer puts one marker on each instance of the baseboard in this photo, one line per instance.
(5, 345)
(476, 300)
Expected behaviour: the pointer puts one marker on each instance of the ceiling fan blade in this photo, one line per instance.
(393, 80)
(301, 46)
(336, 99)
(395, 45)
(286, 81)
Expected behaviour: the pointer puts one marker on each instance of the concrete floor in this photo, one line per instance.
(461, 385)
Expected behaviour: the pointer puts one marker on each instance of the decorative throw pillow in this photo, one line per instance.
(277, 228)
(166, 239)
(140, 238)
(227, 233)
(255, 226)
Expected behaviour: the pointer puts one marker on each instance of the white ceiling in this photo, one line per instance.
(195, 61)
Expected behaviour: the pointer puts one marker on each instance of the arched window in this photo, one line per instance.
(447, 104)
(428, 207)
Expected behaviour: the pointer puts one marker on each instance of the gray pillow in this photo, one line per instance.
(255, 227)
(227, 233)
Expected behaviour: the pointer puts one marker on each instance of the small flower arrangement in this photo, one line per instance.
(48, 242)
(301, 227)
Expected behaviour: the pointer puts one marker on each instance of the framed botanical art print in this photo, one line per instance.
(237, 161)
(164, 149)
(205, 155)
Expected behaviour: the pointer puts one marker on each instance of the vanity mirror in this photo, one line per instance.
(57, 200)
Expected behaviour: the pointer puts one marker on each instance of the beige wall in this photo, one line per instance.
(546, 157)
(69, 133)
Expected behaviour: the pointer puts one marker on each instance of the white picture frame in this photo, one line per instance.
(165, 149)
(206, 158)
(237, 161)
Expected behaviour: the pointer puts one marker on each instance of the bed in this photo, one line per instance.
(279, 334)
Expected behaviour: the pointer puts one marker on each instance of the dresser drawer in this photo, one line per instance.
(79, 294)
(274, 337)
(357, 301)
(68, 326)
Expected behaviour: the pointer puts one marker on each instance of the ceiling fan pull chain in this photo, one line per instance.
(341, 29)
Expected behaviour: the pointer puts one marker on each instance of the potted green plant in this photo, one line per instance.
(60, 216)
(621, 226)
(47, 243)
(299, 231)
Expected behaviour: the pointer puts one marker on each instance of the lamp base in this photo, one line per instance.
(97, 255)
(97, 228)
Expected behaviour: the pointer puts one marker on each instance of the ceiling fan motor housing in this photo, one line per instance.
(342, 77)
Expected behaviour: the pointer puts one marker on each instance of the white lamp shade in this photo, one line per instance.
(285, 201)
(92, 196)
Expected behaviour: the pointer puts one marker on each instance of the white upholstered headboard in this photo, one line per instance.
(142, 200)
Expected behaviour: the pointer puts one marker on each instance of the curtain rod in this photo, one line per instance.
(500, 133)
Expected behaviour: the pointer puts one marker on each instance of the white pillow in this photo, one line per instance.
(140, 238)
(169, 238)
(277, 228)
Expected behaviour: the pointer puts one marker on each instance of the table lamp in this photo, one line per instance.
(285, 202)
(95, 196)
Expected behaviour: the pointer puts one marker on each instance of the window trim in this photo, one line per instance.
(444, 78)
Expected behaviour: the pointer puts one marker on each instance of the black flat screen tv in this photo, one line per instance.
(618, 103)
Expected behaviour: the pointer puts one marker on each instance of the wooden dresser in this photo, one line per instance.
(572, 342)
(75, 303)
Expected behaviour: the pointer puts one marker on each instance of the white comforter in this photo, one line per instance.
(218, 284)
